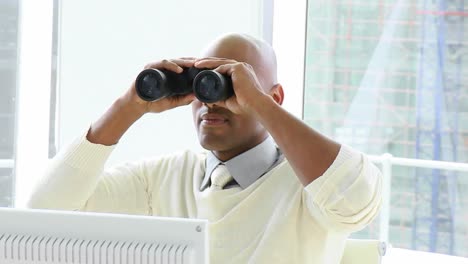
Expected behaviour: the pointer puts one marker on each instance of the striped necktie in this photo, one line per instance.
(220, 177)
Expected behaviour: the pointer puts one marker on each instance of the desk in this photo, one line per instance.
(406, 256)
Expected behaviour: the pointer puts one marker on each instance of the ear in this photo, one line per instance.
(277, 93)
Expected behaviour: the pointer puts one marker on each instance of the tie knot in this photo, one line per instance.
(220, 177)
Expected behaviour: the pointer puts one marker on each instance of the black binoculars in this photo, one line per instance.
(209, 86)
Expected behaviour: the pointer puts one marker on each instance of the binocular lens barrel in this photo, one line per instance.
(211, 86)
(208, 86)
(151, 84)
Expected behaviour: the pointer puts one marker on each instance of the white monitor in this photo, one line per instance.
(48, 236)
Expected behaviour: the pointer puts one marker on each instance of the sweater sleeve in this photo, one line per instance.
(348, 195)
(75, 180)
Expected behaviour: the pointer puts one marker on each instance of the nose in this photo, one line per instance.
(209, 105)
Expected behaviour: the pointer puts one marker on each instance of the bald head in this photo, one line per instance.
(244, 48)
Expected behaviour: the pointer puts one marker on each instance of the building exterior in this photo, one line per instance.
(391, 76)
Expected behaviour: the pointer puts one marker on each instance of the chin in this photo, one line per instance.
(212, 143)
(211, 146)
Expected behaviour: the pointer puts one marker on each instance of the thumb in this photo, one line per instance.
(186, 99)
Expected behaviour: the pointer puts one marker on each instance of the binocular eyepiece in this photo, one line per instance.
(209, 86)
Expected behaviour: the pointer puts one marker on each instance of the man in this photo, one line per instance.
(294, 195)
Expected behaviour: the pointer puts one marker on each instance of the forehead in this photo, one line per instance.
(245, 49)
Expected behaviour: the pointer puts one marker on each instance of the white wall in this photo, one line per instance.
(104, 45)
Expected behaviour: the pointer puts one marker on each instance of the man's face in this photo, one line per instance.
(220, 130)
(225, 133)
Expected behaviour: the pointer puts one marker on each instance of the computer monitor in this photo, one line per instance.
(49, 236)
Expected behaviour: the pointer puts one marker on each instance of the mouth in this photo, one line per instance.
(210, 119)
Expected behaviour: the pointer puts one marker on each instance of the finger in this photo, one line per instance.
(187, 99)
(188, 58)
(212, 63)
(184, 62)
(225, 69)
(210, 58)
(172, 102)
(221, 104)
(214, 59)
(165, 64)
(179, 100)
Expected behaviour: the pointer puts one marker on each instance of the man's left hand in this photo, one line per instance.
(246, 86)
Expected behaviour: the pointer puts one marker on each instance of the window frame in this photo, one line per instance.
(34, 89)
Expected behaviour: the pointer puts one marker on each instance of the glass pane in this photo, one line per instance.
(8, 73)
(390, 76)
(53, 83)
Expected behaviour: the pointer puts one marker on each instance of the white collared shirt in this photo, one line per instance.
(248, 166)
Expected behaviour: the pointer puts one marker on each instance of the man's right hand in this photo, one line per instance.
(127, 109)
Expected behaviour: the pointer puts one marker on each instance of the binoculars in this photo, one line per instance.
(209, 86)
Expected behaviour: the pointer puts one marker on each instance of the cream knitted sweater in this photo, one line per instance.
(274, 220)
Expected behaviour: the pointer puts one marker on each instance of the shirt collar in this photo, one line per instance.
(247, 167)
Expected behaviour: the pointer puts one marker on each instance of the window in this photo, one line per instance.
(389, 76)
(8, 95)
(26, 95)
